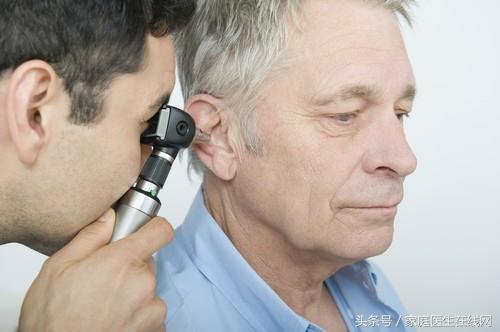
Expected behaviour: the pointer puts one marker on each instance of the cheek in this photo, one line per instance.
(337, 165)
(119, 171)
(322, 176)
(325, 169)
(133, 157)
(301, 173)
(122, 166)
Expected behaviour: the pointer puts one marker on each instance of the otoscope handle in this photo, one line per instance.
(136, 208)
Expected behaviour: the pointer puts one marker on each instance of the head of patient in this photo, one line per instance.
(78, 82)
(306, 111)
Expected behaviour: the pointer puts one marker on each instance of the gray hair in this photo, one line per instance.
(230, 47)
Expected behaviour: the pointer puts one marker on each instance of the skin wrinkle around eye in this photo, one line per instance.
(155, 106)
(338, 130)
(152, 109)
(351, 95)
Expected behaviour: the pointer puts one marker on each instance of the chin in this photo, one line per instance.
(48, 248)
(49, 244)
(369, 243)
(383, 243)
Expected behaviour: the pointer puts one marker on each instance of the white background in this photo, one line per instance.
(445, 256)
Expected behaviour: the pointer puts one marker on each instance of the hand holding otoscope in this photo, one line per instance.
(169, 130)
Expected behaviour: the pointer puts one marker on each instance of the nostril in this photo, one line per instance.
(386, 171)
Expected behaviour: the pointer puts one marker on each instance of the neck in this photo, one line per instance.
(14, 216)
(11, 205)
(296, 275)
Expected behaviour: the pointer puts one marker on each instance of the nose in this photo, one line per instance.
(389, 150)
(145, 153)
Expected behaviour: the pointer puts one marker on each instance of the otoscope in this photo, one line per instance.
(170, 130)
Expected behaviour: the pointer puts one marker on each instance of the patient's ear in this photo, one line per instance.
(30, 92)
(218, 155)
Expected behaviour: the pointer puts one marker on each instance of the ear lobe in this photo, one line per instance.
(30, 89)
(218, 154)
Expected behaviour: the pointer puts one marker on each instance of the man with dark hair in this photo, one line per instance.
(78, 81)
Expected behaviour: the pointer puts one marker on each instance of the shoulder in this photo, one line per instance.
(193, 302)
(177, 275)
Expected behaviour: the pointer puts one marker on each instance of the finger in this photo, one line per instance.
(151, 264)
(89, 239)
(150, 317)
(140, 287)
(149, 238)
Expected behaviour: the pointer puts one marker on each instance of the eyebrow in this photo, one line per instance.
(363, 91)
(357, 91)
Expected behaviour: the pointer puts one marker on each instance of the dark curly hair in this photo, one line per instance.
(88, 42)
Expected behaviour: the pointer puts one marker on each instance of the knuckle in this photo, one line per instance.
(149, 283)
(163, 225)
(158, 312)
(50, 265)
(162, 310)
(113, 255)
(93, 230)
(123, 252)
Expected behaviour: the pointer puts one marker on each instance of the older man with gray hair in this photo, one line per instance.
(302, 177)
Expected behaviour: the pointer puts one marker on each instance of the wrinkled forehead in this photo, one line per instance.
(347, 42)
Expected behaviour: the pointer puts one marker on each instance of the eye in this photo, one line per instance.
(402, 114)
(144, 126)
(145, 122)
(344, 119)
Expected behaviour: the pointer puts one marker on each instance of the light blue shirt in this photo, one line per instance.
(209, 287)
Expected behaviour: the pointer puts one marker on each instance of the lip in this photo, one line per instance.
(382, 210)
(384, 206)
(390, 207)
(378, 208)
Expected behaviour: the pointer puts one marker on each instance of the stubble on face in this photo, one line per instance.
(85, 169)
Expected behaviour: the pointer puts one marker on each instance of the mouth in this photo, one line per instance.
(388, 208)
(381, 206)
(384, 210)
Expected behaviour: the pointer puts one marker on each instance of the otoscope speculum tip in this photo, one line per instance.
(201, 136)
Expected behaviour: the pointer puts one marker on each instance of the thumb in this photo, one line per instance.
(89, 239)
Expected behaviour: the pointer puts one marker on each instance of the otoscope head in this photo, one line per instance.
(170, 128)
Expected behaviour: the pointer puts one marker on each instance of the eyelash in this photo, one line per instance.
(343, 118)
(400, 114)
(145, 122)
(144, 126)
